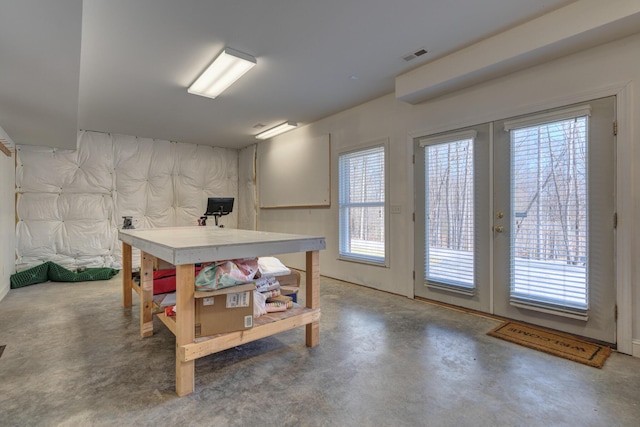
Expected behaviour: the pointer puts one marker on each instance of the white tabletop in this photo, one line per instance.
(190, 245)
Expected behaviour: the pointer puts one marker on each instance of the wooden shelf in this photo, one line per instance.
(169, 322)
(263, 327)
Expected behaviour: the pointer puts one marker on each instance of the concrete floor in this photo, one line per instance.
(74, 357)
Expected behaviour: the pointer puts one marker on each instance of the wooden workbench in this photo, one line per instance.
(186, 246)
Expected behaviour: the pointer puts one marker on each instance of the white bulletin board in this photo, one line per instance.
(294, 171)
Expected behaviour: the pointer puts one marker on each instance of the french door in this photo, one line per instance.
(516, 218)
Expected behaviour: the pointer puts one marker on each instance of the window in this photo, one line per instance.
(361, 182)
(449, 205)
(549, 194)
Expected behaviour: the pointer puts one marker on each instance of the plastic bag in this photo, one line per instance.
(224, 274)
(272, 266)
(249, 266)
(259, 303)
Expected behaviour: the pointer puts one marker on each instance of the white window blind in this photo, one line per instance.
(548, 117)
(449, 205)
(361, 182)
(549, 220)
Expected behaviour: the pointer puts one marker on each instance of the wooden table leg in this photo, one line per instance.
(146, 294)
(126, 275)
(185, 327)
(313, 295)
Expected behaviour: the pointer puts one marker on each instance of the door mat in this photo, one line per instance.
(552, 342)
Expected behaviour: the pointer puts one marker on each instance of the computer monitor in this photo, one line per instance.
(219, 206)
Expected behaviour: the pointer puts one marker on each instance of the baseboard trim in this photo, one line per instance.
(4, 291)
(635, 345)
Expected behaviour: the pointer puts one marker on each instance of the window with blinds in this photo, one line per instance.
(449, 207)
(549, 206)
(361, 198)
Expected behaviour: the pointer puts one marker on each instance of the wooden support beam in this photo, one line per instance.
(136, 288)
(5, 149)
(146, 294)
(169, 322)
(185, 327)
(313, 295)
(221, 342)
(126, 275)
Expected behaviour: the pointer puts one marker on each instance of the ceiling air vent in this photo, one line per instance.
(415, 54)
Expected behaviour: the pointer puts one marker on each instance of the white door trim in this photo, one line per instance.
(624, 207)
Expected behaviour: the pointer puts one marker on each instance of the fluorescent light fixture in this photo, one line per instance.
(281, 128)
(228, 67)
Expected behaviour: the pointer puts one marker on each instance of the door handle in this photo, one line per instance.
(499, 228)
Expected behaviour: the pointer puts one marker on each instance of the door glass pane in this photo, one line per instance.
(449, 207)
(549, 224)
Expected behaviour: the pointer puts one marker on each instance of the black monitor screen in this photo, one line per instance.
(219, 206)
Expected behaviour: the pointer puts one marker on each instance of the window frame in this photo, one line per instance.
(379, 143)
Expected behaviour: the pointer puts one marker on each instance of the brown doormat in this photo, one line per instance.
(552, 342)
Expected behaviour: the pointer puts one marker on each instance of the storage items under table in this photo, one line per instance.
(263, 326)
(230, 325)
(231, 308)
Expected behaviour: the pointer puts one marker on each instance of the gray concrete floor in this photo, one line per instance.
(74, 357)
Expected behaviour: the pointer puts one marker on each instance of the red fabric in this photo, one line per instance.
(164, 281)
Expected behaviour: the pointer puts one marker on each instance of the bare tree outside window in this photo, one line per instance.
(550, 221)
(362, 204)
(450, 213)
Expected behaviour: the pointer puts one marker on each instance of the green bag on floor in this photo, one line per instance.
(56, 273)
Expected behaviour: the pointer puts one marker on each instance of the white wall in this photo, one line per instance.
(370, 122)
(609, 69)
(7, 221)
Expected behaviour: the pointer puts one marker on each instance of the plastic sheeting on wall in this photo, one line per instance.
(247, 206)
(7, 213)
(71, 202)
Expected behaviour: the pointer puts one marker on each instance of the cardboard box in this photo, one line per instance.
(291, 279)
(224, 310)
(290, 284)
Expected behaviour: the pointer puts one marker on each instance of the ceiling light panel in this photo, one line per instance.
(277, 130)
(228, 67)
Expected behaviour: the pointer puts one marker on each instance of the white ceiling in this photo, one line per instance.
(123, 66)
